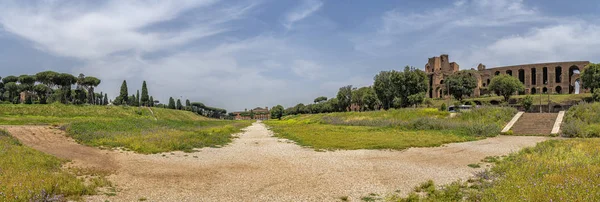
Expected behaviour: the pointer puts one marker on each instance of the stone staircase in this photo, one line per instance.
(535, 124)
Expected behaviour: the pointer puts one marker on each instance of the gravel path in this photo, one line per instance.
(259, 167)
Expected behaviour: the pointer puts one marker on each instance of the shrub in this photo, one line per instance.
(527, 102)
(596, 95)
(444, 107)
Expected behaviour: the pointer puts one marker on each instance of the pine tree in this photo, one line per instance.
(124, 96)
(100, 99)
(105, 99)
(137, 99)
(179, 106)
(145, 99)
(171, 103)
(151, 101)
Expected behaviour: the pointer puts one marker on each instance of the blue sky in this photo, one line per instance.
(242, 54)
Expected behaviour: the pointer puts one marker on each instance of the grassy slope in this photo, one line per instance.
(26, 174)
(130, 127)
(555, 170)
(394, 129)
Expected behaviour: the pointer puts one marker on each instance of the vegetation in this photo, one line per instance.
(277, 112)
(407, 87)
(30, 175)
(461, 83)
(527, 102)
(129, 127)
(506, 85)
(393, 129)
(555, 170)
(590, 77)
(582, 120)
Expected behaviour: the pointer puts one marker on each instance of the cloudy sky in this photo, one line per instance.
(246, 53)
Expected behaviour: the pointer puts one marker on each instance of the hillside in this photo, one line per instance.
(131, 128)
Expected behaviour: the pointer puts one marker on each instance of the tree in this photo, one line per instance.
(150, 101)
(416, 99)
(505, 85)
(137, 99)
(344, 97)
(277, 112)
(179, 106)
(461, 83)
(42, 91)
(123, 96)
(384, 89)
(527, 102)
(590, 77)
(47, 77)
(370, 99)
(89, 83)
(320, 99)
(12, 89)
(65, 81)
(105, 99)
(145, 99)
(188, 106)
(412, 83)
(9, 79)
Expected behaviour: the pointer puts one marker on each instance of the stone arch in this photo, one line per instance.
(574, 74)
(558, 74)
(533, 91)
(522, 75)
(494, 102)
(533, 76)
(497, 73)
(477, 102)
(488, 81)
(442, 81)
(545, 90)
(509, 72)
(558, 90)
(545, 75)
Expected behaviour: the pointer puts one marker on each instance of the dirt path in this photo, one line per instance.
(258, 167)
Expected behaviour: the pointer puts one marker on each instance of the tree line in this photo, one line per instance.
(408, 88)
(48, 87)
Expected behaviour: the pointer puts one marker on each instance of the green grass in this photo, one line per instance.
(582, 120)
(132, 128)
(394, 129)
(555, 170)
(30, 175)
(554, 98)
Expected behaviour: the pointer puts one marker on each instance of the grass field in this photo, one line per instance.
(555, 170)
(132, 128)
(29, 175)
(393, 129)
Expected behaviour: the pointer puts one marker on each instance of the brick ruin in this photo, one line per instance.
(555, 77)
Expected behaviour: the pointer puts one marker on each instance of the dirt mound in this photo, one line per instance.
(259, 167)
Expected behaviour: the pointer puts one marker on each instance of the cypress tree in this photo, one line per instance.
(124, 96)
(100, 99)
(179, 106)
(151, 101)
(145, 100)
(137, 99)
(187, 103)
(105, 99)
(171, 103)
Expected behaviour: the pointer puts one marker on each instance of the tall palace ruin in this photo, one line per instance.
(555, 78)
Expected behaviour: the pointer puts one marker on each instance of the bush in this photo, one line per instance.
(444, 107)
(596, 95)
(582, 120)
(527, 102)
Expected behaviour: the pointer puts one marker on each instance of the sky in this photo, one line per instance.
(256, 53)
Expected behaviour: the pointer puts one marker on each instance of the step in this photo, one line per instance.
(535, 124)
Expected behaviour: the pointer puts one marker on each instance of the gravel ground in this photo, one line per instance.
(259, 167)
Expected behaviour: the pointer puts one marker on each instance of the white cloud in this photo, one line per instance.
(307, 8)
(563, 42)
(307, 69)
(93, 31)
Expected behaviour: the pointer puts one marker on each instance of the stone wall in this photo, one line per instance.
(555, 77)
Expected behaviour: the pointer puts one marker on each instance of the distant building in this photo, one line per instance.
(553, 77)
(254, 114)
